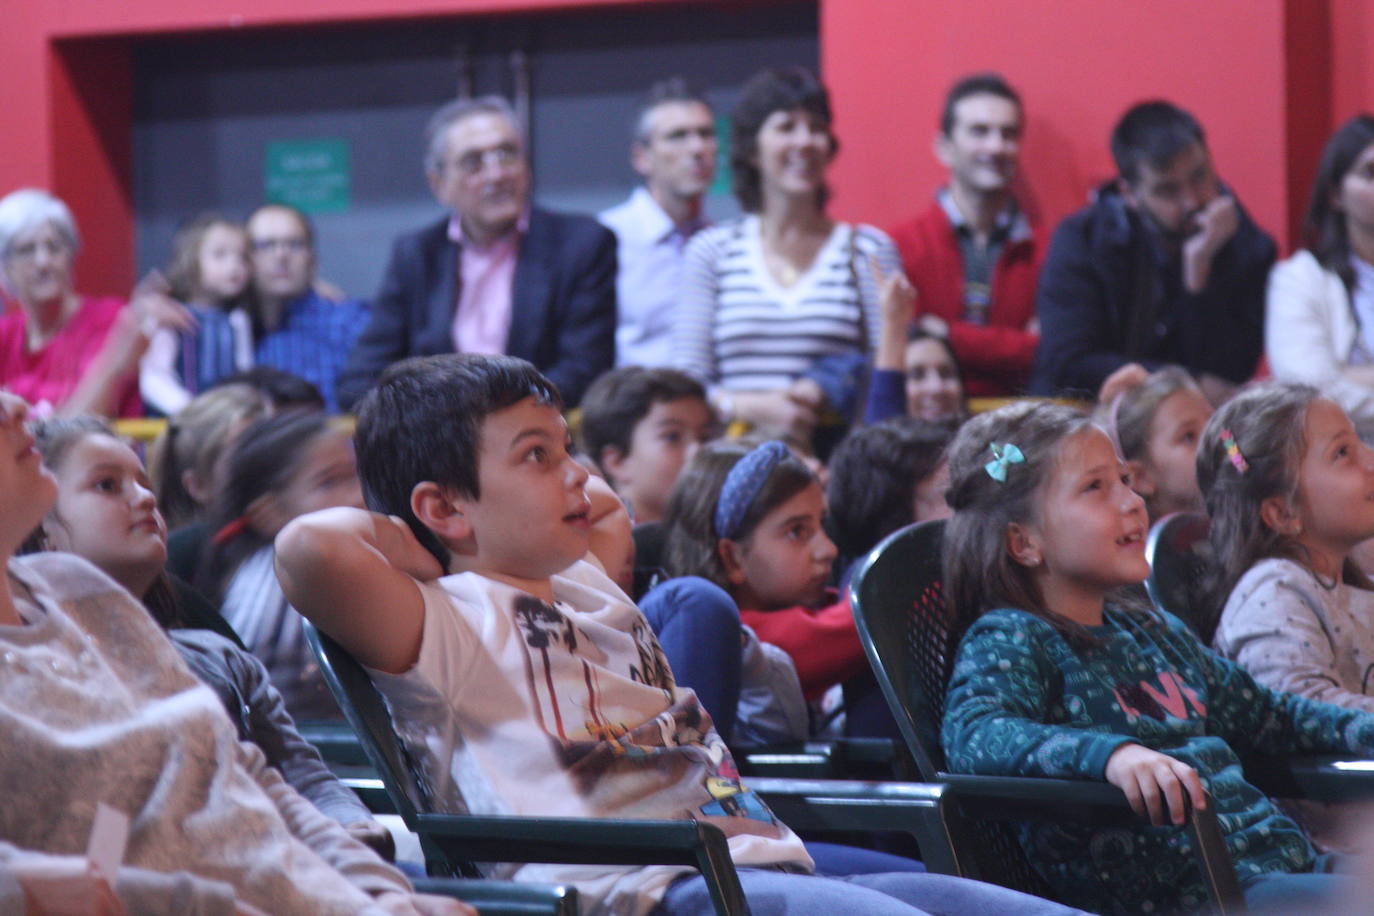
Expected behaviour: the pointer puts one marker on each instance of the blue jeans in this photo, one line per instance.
(775, 893)
(697, 624)
(1318, 890)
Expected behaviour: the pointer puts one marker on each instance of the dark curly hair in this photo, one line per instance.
(780, 89)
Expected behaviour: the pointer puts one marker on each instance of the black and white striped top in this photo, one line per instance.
(738, 328)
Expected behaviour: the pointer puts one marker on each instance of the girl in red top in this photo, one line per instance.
(750, 520)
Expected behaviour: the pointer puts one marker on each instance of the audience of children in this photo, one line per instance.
(641, 426)
(106, 513)
(97, 707)
(1063, 672)
(1063, 669)
(521, 679)
(1155, 425)
(282, 466)
(211, 274)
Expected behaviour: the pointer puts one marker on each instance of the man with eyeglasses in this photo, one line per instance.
(299, 330)
(495, 275)
(674, 150)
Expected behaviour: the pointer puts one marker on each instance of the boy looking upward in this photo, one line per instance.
(524, 681)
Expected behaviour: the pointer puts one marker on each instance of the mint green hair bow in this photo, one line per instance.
(1002, 456)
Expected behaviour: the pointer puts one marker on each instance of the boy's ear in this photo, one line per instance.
(1023, 543)
(1280, 516)
(438, 511)
(612, 458)
(731, 556)
(1141, 479)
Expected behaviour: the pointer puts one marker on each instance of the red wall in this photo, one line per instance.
(1268, 78)
(1078, 65)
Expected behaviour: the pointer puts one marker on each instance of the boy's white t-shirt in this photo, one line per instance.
(516, 706)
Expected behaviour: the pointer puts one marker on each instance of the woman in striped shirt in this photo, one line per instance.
(779, 309)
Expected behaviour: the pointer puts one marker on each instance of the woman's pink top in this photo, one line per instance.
(52, 373)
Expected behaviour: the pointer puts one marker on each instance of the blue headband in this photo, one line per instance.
(742, 486)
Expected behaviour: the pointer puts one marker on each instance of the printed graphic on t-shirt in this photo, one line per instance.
(619, 766)
(1172, 698)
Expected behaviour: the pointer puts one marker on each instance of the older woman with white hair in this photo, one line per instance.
(60, 350)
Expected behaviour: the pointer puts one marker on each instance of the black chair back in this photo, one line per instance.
(367, 714)
(902, 616)
(1180, 556)
(899, 609)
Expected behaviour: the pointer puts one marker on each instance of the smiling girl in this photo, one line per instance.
(1290, 489)
(1062, 673)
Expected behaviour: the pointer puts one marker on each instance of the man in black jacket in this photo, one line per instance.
(1163, 267)
(495, 275)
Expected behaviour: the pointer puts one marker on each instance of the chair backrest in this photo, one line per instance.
(903, 619)
(367, 713)
(899, 609)
(1179, 555)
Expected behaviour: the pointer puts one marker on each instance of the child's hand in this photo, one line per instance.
(1154, 783)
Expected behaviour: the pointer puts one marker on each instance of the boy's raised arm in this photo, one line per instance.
(353, 574)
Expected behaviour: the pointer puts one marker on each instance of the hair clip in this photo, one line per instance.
(1228, 441)
(1002, 456)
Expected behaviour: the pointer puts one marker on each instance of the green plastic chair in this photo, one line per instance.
(899, 608)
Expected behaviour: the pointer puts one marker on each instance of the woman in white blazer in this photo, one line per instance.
(1319, 316)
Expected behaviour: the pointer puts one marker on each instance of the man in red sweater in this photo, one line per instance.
(972, 255)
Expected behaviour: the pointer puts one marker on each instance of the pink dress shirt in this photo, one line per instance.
(486, 277)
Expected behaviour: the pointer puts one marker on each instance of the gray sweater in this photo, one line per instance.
(96, 705)
(257, 711)
(1302, 636)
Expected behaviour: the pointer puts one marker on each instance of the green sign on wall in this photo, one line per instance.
(315, 176)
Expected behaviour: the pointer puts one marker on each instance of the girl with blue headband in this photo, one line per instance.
(750, 520)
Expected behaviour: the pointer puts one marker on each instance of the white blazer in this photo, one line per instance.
(1310, 331)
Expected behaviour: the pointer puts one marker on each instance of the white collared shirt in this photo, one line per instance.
(650, 256)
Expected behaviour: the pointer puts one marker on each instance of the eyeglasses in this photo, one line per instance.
(474, 161)
(292, 245)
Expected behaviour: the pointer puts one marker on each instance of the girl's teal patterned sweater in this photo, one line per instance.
(1023, 702)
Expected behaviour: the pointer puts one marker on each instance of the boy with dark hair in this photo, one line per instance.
(641, 427)
(972, 254)
(1163, 267)
(884, 477)
(525, 682)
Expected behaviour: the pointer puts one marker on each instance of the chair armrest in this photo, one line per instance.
(500, 838)
(1012, 798)
(916, 808)
(1324, 778)
(505, 898)
(842, 758)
